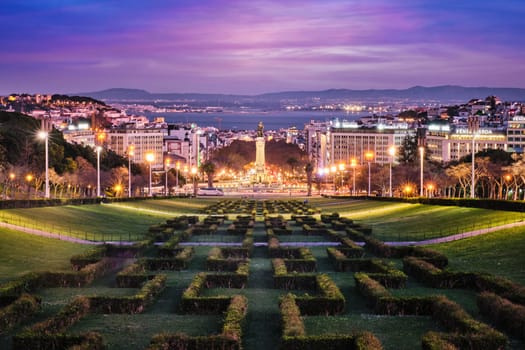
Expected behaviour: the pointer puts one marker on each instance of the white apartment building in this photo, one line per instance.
(447, 143)
(347, 142)
(142, 141)
(516, 134)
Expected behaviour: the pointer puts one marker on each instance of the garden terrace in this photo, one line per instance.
(402, 315)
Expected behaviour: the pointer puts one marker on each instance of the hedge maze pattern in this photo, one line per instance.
(222, 283)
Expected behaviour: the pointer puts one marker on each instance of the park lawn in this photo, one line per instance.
(94, 222)
(21, 253)
(169, 207)
(499, 253)
(408, 222)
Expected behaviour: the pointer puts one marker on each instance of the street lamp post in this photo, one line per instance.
(131, 153)
(150, 157)
(421, 156)
(473, 127)
(167, 168)
(369, 155)
(342, 171)
(193, 173)
(353, 164)
(392, 153)
(45, 136)
(177, 168)
(98, 170)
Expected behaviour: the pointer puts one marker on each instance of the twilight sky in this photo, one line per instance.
(257, 46)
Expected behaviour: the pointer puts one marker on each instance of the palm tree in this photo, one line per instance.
(309, 168)
(209, 169)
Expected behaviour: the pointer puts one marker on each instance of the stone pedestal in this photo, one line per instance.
(260, 175)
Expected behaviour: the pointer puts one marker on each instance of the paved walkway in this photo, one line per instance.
(404, 243)
(36, 232)
(458, 236)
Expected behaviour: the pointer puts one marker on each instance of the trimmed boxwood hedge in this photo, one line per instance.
(294, 334)
(230, 337)
(50, 334)
(129, 304)
(21, 309)
(192, 302)
(466, 332)
(504, 313)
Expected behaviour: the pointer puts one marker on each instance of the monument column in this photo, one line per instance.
(260, 171)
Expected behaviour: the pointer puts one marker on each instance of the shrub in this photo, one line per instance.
(21, 309)
(293, 325)
(503, 313)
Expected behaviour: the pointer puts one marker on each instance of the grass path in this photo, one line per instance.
(263, 329)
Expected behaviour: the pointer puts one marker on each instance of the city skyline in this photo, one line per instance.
(239, 47)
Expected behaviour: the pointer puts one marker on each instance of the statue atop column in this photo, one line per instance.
(260, 130)
(260, 171)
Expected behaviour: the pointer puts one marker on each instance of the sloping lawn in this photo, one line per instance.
(21, 253)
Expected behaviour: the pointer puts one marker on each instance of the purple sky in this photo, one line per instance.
(255, 46)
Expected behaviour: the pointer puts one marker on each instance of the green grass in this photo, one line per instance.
(120, 221)
(500, 253)
(407, 222)
(21, 253)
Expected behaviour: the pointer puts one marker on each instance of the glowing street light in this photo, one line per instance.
(193, 173)
(118, 188)
(392, 153)
(98, 170)
(421, 156)
(353, 164)
(44, 135)
(177, 169)
(29, 178)
(150, 157)
(342, 169)
(430, 190)
(369, 156)
(166, 169)
(131, 153)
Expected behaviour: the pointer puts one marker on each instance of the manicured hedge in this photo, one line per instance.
(21, 309)
(505, 314)
(466, 332)
(129, 304)
(50, 334)
(294, 334)
(133, 276)
(192, 302)
(179, 262)
(230, 337)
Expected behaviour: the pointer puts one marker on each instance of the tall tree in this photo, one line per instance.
(209, 169)
(407, 152)
(309, 168)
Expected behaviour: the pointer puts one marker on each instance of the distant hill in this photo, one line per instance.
(443, 94)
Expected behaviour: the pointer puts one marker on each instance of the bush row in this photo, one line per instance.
(229, 339)
(294, 334)
(466, 332)
(178, 262)
(381, 249)
(129, 304)
(503, 313)
(377, 269)
(192, 302)
(50, 334)
(437, 278)
(21, 309)
(133, 276)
